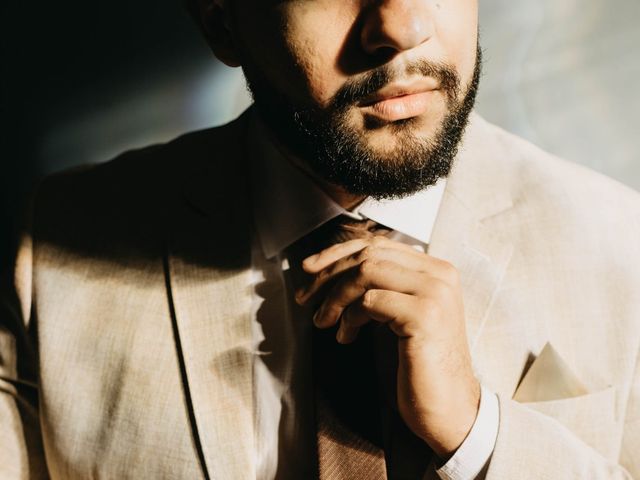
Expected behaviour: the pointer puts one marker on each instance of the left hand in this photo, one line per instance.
(419, 297)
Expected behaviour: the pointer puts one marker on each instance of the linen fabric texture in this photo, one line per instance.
(126, 335)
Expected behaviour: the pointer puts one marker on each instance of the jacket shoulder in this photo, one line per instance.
(566, 221)
(559, 189)
(127, 199)
(140, 171)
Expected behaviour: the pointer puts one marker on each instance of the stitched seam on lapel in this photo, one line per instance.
(493, 296)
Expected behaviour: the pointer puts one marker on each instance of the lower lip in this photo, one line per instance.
(401, 108)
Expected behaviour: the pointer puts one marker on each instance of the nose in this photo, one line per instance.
(396, 25)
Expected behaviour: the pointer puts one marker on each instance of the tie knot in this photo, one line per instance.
(338, 230)
(343, 228)
(349, 229)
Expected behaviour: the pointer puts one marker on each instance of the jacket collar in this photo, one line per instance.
(467, 231)
(208, 278)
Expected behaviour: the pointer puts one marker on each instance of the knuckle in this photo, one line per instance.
(379, 240)
(367, 266)
(440, 289)
(450, 272)
(368, 252)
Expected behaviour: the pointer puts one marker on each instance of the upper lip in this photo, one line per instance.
(398, 89)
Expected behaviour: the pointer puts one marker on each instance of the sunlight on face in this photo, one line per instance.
(388, 77)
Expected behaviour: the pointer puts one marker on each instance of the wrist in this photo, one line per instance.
(449, 430)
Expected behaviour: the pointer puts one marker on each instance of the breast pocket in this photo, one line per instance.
(591, 417)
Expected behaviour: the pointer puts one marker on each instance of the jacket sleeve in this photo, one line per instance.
(21, 450)
(532, 445)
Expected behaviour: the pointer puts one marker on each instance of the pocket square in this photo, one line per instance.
(549, 378)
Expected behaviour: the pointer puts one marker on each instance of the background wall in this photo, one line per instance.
(564, 74)
(83, 81)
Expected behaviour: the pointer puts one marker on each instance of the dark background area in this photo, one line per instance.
(62, 59)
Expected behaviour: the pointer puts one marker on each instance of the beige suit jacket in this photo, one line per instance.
(125, 333)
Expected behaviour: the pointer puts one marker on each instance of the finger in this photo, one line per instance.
(411, 260)
(317, 262)
(352, 319)
(369, 274)
(398, 310)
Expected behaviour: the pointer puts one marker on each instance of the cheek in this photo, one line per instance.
(314, 38)
(313, 70)
(457, 31)
(296, 45)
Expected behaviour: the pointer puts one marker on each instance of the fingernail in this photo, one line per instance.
(300, 294)
(315, 318)
(309, 260)
(340, 336)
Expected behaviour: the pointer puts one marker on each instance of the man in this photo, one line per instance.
(159, 323)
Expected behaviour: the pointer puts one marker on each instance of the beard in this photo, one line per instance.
(338, 153)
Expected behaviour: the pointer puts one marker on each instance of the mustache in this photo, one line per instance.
(356, 90)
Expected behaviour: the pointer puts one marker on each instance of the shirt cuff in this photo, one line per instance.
(474, 453)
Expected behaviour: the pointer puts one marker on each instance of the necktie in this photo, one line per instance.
(359, 431)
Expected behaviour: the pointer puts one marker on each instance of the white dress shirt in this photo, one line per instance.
(287, 205)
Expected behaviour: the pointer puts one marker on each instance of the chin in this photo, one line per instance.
(387, 137)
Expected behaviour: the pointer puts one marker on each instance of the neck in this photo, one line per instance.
(337, 193)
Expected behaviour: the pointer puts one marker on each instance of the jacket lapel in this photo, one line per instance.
(462, 235)
(208, 268)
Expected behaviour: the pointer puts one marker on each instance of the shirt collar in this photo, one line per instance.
(288, 204)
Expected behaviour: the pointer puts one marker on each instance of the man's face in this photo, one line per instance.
(372, 95)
